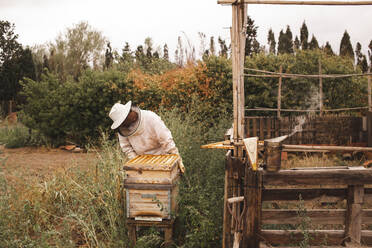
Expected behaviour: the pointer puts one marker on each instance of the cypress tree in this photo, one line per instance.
(296, 43)
(165, 52)
(361, 58)
(212, 46)
(346, 49)
(251, 43)
(223, 47)
(304, 35)
(285, 43)
(328, 49)
(109, 57)
(271, 41)
(370, 53)
(313, 43)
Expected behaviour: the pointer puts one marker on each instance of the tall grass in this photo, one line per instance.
(17, 135)
(86, 207)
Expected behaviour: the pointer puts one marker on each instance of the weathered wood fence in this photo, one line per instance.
(332, 129)
(347, 222)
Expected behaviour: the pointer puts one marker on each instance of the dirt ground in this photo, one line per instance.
(40, 163)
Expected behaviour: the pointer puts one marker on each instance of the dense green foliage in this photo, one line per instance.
(77, 111)
(79, 206)
(303, 93)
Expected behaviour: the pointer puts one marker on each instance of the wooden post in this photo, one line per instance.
(239, 19)
(132, 233)
(369, 91)
(253, 198)
(320, 88)
(226, 238)
(280, 91)
(353, 222)
(369, 128)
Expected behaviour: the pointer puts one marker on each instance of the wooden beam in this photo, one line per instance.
(353, 222)
(253, 197)
(318, 177)
(280, 92)
(294, 2)
(290, 216)
(327, 148)
(292, 194)
(285, 237)
(238, 30)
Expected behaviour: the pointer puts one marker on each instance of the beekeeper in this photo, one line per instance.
(141, 132)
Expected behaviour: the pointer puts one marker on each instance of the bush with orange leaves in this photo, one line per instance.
(209, 81)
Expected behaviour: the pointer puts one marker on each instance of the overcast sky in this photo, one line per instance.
(120, 21)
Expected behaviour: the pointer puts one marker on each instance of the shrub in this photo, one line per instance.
(75, 111)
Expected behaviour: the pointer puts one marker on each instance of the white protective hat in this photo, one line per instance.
(119, 113)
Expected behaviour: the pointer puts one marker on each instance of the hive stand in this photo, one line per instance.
(167, 225)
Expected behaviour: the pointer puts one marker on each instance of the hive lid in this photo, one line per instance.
(153, 162)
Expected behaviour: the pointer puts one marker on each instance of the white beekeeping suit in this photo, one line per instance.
(147, 135)
(151, 137)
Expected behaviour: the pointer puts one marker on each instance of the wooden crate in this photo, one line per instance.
(151, 186)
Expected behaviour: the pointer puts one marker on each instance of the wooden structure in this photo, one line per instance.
(151, 186)
(327, 129)
(253, 186)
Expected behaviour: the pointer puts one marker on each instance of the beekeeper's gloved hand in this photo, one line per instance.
(180, 163)
(181, 166)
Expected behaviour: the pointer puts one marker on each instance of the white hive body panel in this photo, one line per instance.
(152, 186)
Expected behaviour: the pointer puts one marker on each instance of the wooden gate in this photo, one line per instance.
(317, 206)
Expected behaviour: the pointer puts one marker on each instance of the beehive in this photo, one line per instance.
(151, 186)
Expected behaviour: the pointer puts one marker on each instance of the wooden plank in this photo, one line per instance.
(262, 134)
(253, 197)
(279, 92)
(329, 148)
(293, 237)
(226, 237)
(247, 127)
(369, 91)
(306, 194)
(353, 222)
(268, 128)
(254, 127)
(367, 237)
(318, 177)
(148, 186)
(317, 216)
(296, 2)
(367, 216)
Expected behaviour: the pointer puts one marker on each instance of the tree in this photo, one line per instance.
(285, 43)
(370, 54)
(361, 59)
(212, 48)
(9, 45)
(223, 47)
(80, 47)
(328, 49)
(271, 41)
(166, 52)
(15, 62)
(109, 57)
(148, 47)
(346, 49)
(251, 44)
(313, 45)
(304, 35)
(297, 43)
(179, 54)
